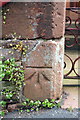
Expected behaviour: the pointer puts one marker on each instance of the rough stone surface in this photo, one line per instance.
(44, 70)
(12, 107)
(72, 99)
(45, 54)
(42, 23)
(13, 54)
(39, 83)
(54, 113)
(34, 20)
(7, 51)
(43, 65)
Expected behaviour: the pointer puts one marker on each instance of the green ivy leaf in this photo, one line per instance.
(7, 61)
(9, 95)
(28, 110)
(24, 103)
(53, 100)
(0, 62)
(2, 113)
(8, 72)
(37, 109)
(13, 73)
(58, 105)
(2, 75)
(27, 100)
(2, 103)
(0, 79)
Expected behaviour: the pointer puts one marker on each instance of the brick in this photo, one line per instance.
(34, 20)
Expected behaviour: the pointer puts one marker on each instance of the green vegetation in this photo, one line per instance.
(14, 74)
(21, 47)
(2, 103)
(31, 105)
(4, 13)
(2, 113)
(70, 109)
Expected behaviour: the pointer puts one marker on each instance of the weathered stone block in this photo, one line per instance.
(44, 70)
(43, 63)
(9, 53)
(34, 20)
(7, 48)
(45, 54)
(39, 83)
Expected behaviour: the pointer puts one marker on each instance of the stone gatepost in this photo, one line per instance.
(44, 63)
(43, 24)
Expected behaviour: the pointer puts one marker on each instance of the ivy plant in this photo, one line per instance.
(14, 74)
(2, 103)
(31, 105)
(2, 113)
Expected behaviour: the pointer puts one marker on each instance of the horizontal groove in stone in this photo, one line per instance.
(38, 67)
(37, 38)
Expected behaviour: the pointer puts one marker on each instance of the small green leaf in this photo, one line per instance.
(14, 33)
(32, 109)
(4, 17)
(58, 105)
(24, 103)
(2, 113)
(27, 100)
(53, 100)
(37, 109)
(28, 110)
(9, 95)
(7, 61)
(2, 103)
(0, 79)
(21, 110)
(4, 22)
(2, 75)
(46, 100)
(0, 62)
(8, 72)
(70, 109)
